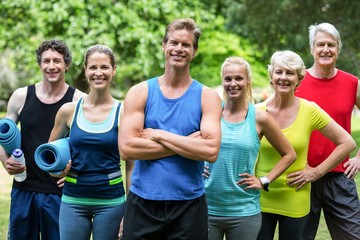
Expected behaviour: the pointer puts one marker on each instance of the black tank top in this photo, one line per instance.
(36, 122)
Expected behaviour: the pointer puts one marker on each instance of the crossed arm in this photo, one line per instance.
(148, 144)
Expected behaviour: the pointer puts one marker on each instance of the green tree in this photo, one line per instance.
(132, 28)
(283, 24)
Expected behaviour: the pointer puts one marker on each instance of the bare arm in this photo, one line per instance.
(276, 138)
(344, 145)
(129, 166)
(61, 127)
(78, 94)
(15, 105)
(358, 95)
(352, 166)
(132, 146)
(204, 148)
(267, 126)
(62, 121)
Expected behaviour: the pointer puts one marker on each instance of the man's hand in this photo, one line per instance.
(352, 167)
(13, 167)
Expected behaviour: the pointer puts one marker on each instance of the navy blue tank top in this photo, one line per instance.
(95, 170)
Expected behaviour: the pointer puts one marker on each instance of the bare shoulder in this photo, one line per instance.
(358, 95)
(19, 94)
(140, 87)
(67, 109)
(78, 94)
(262, 117)
(209, 94)
(209, 91)
(137, 94)
(16, 103)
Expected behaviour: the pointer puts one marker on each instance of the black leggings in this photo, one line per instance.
(289, 228)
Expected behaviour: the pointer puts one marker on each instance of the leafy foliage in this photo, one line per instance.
(283, 24)
(132, 28)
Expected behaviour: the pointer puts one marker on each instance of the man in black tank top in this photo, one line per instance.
(35, 202)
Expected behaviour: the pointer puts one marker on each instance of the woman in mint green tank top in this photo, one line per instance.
(232, 190)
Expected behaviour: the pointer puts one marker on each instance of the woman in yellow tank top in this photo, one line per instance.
(288, 201)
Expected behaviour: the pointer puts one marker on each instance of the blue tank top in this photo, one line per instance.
(174, 177)
(238, 154)
(95, 172)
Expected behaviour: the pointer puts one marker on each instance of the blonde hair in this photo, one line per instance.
(241, 62)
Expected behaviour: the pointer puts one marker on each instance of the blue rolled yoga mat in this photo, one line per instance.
(10, 137)
(52, 157)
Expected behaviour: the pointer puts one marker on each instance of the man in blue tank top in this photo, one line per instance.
(170, 126)
(35, 202)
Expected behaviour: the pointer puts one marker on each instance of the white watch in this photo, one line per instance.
(265, 183)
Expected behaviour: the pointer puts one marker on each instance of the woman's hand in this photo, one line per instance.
(250, 181)
(206, 173)
(62, 175)
(303, 177)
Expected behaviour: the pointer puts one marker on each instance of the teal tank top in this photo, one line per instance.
(238, 154)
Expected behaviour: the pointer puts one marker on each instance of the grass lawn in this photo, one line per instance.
(6, 180)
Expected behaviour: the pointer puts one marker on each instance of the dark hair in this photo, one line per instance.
(180, 24)
(55, 45)
(100, 49)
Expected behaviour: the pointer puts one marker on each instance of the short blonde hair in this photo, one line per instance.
(289, 60)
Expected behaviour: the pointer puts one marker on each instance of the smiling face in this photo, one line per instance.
(179, 49)
(53, 66)
(235, 81)
(325, 49)
(284, 80)
(99, 70)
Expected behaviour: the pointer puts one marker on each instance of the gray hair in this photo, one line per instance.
(326, 28)
(289, 60)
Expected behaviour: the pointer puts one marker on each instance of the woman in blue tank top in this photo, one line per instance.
(93, 195)
(232, 190)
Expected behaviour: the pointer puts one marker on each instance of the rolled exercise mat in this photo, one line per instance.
(52, 157)
(10, 137)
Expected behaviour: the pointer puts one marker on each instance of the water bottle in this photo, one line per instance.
(19, 157)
